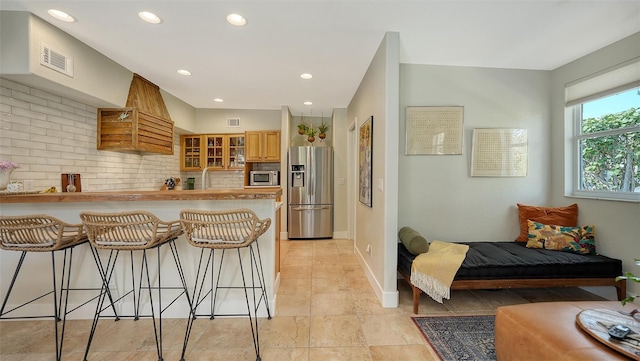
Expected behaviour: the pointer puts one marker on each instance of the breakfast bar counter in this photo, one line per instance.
(164, 204)
(225, 194)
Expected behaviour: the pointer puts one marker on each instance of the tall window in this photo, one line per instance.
(607, 143)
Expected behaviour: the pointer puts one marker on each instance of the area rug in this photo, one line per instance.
(459, 337)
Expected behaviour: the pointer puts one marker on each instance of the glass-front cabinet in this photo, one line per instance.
(212, 151)
(191, 152)
(236, 152)
(215, 151)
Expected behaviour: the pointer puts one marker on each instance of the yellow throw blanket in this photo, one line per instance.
(433, 272)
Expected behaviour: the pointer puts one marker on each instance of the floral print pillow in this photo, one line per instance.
(559, 238)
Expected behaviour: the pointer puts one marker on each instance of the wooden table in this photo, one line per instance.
(597, 323)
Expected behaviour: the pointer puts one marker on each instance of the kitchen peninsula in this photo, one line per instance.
(167, 206)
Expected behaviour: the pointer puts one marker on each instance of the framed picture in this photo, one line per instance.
(434, 130)
(364, 161)
(499, 153)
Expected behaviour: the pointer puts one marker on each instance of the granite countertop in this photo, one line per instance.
(120, 196)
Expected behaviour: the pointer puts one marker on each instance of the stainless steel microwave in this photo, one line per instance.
(264, 178)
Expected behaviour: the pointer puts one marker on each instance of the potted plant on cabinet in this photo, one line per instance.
(322, 131)
(302, 128)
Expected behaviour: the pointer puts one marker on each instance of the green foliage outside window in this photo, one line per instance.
(611, 162)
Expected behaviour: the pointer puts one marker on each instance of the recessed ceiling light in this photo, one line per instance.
(308, 103)
(306, 76)
(151, 18)
(61, 15)
(184, 72)
(237, 20)
(218, 100)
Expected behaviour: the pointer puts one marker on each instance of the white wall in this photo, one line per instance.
(214, 120)
(616, 222)
(377, 96)
(437, 196)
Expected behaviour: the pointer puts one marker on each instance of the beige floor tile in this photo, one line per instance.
(359, 284)
(332, 304)
(390, 330)
(295, 304)
(297, 261)
(222, 354)
(330, 285)
(327, 260)
(295, 271)
(284, 331)
(336, 331)
(349, 259)
(368, 304)
(220, 333)
(294, 285)
(352, 270)
(404, 352)
(328, 271)
(285, 354)
(339, 354)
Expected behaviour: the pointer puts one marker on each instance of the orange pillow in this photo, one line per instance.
(559, 216)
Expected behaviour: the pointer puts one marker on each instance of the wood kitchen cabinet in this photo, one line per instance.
(191, 150)
(263, 146)
(224, 151)
(213, 151)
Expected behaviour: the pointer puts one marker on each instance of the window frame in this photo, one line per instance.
(577, 137)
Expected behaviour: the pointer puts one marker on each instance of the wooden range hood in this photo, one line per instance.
(144, 125)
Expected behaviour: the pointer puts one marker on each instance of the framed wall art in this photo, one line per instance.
(434, 130)
(365, 153)
(499, 153)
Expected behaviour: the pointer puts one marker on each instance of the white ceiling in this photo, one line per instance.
(258, 66)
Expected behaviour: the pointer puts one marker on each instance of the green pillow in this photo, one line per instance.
(413, 241)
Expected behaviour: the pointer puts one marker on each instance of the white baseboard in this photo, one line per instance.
(387, 299)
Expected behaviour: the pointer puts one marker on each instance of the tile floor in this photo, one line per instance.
(326, 311)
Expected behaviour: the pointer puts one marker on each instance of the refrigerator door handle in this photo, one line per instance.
(309, 208)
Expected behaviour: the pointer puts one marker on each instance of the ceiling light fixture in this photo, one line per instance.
(236, 20)
(308, 103)
(61, 15)
(184, 72)
(218, 100)
(149, 17)
(306, 76)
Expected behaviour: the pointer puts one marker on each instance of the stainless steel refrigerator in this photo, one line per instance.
(310, 192)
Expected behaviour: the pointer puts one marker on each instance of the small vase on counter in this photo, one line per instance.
(6, 167)
(5, 176)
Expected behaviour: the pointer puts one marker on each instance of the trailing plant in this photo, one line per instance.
(629, 276)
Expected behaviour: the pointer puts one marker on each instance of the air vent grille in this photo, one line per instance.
(233, 122)
(55, 60)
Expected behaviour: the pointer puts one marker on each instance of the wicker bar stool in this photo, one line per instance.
(43, 233)
(133, 231)
(226, 230)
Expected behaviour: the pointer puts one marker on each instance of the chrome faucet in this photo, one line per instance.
(204, 178)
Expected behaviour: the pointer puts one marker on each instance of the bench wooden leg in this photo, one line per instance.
(621, 289)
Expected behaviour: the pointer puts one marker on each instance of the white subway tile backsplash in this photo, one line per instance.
(32, 100)
(59, 135)
(52, 99)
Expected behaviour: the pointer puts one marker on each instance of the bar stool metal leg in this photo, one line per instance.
(227, 230)
(40, 233)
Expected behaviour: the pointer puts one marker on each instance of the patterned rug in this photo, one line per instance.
(459, 337)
